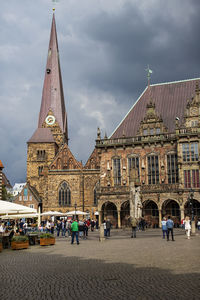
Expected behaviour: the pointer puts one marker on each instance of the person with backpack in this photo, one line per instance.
(74, 230)
(170, 226)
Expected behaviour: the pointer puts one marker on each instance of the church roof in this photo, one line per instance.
(53, 95)
(42, 135)
(170, 101)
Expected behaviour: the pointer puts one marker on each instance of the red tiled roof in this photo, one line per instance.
(170, 100)
(42, 135)
(53, 95)
(5, 181)
(1, 165)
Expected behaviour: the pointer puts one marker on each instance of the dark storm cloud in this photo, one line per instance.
(132, 41)
(105, 47)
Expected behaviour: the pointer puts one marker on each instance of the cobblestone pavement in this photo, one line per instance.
(147, 267)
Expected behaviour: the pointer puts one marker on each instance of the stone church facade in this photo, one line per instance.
(149, 166)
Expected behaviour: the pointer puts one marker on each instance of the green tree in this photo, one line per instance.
(6, 195)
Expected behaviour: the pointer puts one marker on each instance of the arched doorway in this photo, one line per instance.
(150, 213)
(195, 206)
(109, 211)
(125, 213)
(171, 208)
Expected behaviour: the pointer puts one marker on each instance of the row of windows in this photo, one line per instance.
(25, 198)
(191, 179)
(153, 168)
(41, 154)
(151, 131)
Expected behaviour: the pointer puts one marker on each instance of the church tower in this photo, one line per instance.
(51, 132)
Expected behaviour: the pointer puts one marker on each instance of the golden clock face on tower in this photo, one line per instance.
(50, 120)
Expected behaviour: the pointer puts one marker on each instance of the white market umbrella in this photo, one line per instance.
(96, 213)
(77, 212)
(19, 216)
(52, 213)
(13, 208)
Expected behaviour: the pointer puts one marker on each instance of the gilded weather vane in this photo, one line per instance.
(54, 1)
(149, 72)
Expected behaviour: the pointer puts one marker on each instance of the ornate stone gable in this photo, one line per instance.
(152, 124)
(93, 161)
(192, 113)
(65, 160)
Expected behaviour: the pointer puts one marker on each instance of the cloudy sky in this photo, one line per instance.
(105, 47)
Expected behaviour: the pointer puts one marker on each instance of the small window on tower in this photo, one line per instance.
(48, 71)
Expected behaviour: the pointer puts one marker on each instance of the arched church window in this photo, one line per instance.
(64, 195)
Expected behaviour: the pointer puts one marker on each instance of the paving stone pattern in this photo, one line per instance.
(147, 267)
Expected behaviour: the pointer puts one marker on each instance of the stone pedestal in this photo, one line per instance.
(160, 218)
(101, 233)
(182, 214)
(100, 217)
(193, 228)
(119, 218)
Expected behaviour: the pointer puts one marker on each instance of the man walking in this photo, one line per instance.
(164, 227)
(74, 230)
(170, 225)
(108, 227)
(134, 227)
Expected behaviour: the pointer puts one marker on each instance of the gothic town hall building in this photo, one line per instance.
(149, 167)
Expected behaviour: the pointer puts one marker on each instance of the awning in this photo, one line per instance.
(13, 208)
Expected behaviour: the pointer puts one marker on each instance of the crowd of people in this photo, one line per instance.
(79, 228)
(62, 227)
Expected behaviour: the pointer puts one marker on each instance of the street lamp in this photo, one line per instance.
(75, 206)
(190, 199)
(191, 203)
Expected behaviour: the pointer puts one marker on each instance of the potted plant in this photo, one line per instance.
(47, 239)
(19, 242)
(1, 245)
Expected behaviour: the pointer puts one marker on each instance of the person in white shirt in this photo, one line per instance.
(187, 227)
(2, 228)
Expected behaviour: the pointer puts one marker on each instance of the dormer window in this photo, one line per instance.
(158, 130)
(194, 123)
(145, 131)
(151, 131)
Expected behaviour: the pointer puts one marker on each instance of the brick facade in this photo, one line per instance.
(166, 196)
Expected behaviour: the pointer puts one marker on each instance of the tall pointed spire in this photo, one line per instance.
(53, 96)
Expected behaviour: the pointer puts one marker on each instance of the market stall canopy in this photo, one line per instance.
(13, 208)
(77, 212)
(52, 213)
(19, 216)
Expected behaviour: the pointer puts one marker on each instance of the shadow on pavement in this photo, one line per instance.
(26, 275)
